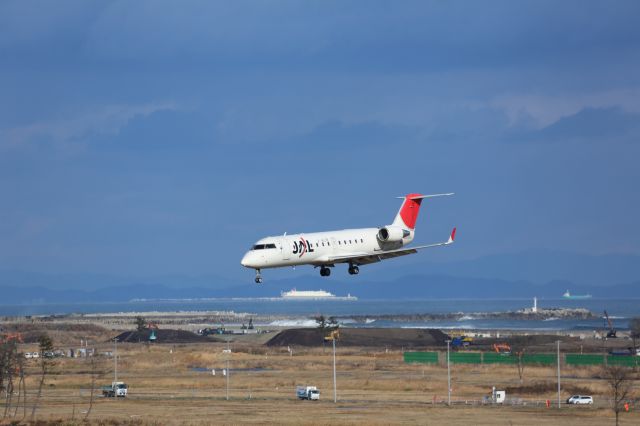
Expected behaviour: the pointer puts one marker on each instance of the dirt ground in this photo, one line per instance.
(174, 384)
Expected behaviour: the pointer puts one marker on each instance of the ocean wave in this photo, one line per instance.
(466, 318)
(294, 323)
(443, 327)
(551, 319)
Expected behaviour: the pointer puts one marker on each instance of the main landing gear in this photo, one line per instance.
(324, 271)
(258, 277)
(353, 270)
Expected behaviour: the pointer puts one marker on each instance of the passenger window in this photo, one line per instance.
(361, 240)
(338, 242)
(322, 244)
(349, 241)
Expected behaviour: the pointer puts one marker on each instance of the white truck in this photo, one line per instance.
(496, 397)
(308, 392)
(117, 389)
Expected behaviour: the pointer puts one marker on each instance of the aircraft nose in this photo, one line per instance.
(246, 260)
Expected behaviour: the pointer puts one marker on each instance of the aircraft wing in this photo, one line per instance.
(366, 258)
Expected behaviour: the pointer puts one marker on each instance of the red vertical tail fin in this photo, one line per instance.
(408, 213)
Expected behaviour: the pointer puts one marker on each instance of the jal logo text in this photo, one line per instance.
(301, 247)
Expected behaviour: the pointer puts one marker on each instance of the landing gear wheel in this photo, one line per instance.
(354, 270)
(258, 277)
(325, 272)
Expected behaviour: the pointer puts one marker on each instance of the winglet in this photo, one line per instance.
(452, 237)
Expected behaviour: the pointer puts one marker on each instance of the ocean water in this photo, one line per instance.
(299, 311)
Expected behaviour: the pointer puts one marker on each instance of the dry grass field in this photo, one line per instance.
(173, 384)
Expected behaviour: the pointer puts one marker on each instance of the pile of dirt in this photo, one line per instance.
(164, 336)
(372, 337)
(533, 343)
(61, 333)
(539, 388)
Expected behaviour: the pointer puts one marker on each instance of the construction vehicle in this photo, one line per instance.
(117, 389)
(333, 335)
(461, 342)
(209, 331)
(612, 333)
(310, 393)
(502, 348)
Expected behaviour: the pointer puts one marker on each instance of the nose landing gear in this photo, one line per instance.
(353, 270)
(258, 277)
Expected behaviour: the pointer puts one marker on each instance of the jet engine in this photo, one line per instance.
(392, 234)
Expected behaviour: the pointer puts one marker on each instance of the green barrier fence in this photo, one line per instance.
(629, 361)
(584, 359)
(542, 359)
(465, 357)
(421, 357)
(496, 358)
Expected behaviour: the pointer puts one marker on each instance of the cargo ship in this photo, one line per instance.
(313, 294)
(568, 295)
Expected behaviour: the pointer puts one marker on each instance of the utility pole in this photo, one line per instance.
(228, 372)
(115, 359)
(448, 375)
(558, 342)
(335, 390)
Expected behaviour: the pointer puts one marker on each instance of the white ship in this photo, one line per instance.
(313, 294)
(568, 295)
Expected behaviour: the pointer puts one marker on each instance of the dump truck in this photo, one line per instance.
(117, 389)
(308, 392)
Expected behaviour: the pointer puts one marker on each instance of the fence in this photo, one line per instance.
(541, 359)
(421, 357)
(584, 359)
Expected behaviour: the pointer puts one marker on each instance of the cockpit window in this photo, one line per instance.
(263, 246)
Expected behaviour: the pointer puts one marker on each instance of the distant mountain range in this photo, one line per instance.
(536, 266)
(534, 273)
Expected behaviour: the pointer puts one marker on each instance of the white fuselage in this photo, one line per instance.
(317, 248)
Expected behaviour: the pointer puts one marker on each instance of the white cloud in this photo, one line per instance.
(104, 120)
(546, 110)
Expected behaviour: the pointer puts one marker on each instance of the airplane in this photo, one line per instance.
(355, 247)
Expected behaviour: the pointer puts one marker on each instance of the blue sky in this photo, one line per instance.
(143, 138)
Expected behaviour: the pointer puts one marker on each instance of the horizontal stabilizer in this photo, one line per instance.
(420, 197)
